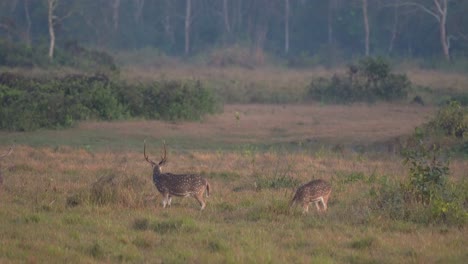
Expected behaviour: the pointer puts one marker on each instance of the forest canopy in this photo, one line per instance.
(304, 31)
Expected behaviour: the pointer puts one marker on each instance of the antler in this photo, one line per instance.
(163, 159)
(8, 153)
(146, 157)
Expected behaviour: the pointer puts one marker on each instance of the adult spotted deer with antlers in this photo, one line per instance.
(181, 185)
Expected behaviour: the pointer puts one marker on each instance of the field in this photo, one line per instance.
(85, 194)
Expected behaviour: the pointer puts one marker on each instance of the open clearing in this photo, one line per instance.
(84, 195)
(246, 124)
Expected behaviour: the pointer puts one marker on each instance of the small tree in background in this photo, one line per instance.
(369, 80)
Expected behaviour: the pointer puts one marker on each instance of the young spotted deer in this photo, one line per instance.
(183, 185)
(1, 157)
(314, 191)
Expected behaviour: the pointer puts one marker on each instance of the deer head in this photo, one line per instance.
(156, 166)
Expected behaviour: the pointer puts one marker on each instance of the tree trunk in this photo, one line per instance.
(138, 9)
(167, 22)
(28, 23)
(227, 25)
(366, 26)
(286, 26)
(115, 14)
(394, 28)
(188, 12)
(440, 13)
(260, 37)
(442, 8)
(330, 21)
(51, 7)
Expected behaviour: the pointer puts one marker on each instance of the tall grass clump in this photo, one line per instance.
(111, 189)
(369, 80)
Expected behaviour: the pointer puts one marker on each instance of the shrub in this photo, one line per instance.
(452, 119)
(428, 170)
(32, 103)
(170, 100)
(427, 196)
(231, 56)
(72, 55)
(367, 81)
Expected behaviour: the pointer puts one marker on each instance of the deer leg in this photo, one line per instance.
(324, 202)
(199, 197)
(317, 205)
(165, 199)
(169, 200)
(305, 208)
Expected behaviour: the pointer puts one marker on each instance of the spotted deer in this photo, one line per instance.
(182, 185)
(316, 191)
(1, 157)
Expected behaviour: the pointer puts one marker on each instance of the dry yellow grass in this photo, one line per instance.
(274, 77)
(440, 81)
(240, 224)
(284, 123)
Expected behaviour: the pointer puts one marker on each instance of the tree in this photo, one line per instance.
(115, 14)
(227, 24)
(51, 5)
(139, 4)
(286, 26)
(188, 22)
(439, 10)
(394, 31)
(366, 26)
(28, 23)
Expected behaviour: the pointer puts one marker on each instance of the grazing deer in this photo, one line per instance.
(314, 191)
(1, 157)
(183, 185)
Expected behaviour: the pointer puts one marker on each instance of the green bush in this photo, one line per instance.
(370, 80)
(29, 103)
(427, 196)
(170, 100)
(452, 119)
(428, 170)
(32, 103)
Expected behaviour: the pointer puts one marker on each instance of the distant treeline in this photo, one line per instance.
(304, 31)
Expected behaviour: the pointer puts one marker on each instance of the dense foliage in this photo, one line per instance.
(451, 119)
(32, 103)
(71, 55)
(319, 31)
(428, 196)
(370, 80)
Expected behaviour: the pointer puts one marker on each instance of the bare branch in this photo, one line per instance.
(422, 7)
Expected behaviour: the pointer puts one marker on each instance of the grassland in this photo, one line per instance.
(84, 195)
